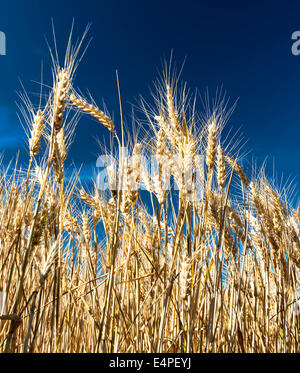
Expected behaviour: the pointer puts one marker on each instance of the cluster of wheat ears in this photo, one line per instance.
(168, 272)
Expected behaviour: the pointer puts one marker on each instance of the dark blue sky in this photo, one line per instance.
(246, 47)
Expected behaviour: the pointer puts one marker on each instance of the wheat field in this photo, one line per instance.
(212, 266)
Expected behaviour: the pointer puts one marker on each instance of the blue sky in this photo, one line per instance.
(245, 47)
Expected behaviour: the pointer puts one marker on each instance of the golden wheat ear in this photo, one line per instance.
(36, 133)
(63, 76)
(238, 169)
(221, 167)
(92, 110)
(211, 144)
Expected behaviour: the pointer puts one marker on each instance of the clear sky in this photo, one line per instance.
(243, 46)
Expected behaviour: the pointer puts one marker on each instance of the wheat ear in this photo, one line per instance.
(211, 145)
(60, 96)
(221, 167)
(238, 169)
(93, 111)
(36, 132)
